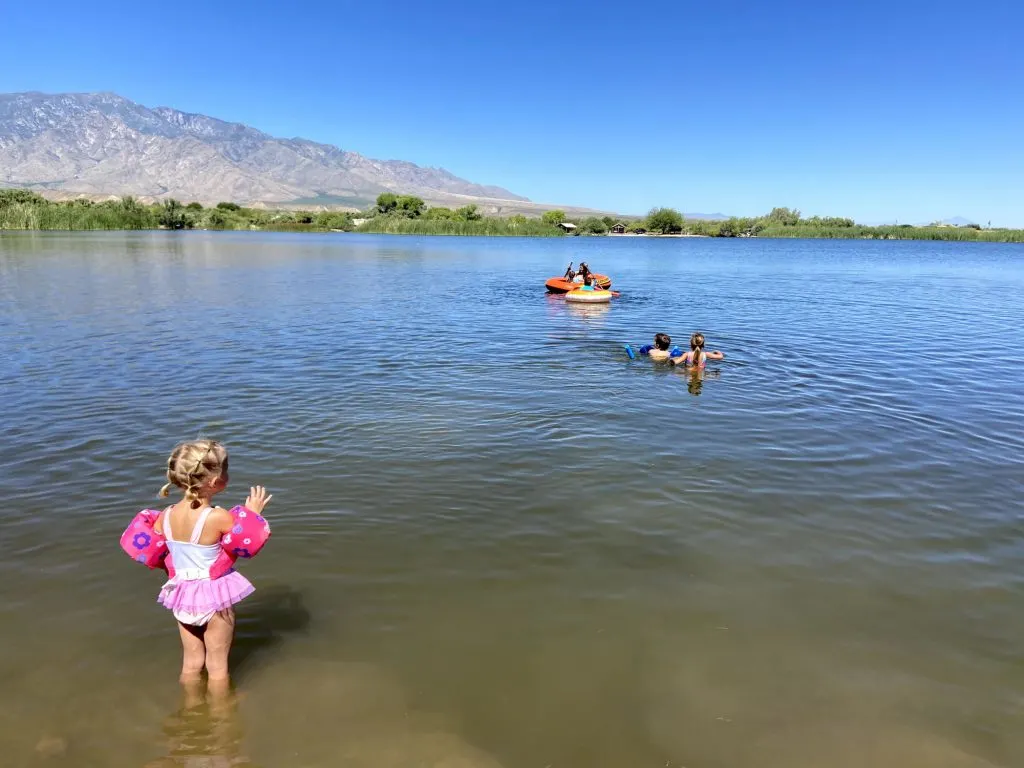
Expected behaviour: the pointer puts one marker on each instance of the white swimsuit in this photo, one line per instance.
(192, 562)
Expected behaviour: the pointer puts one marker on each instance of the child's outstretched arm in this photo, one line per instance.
(715, 355)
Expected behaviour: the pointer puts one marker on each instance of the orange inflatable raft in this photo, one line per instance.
(561, 285)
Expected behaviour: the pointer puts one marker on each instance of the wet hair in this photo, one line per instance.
(697, 347)
(587, 279)
(662, 341)
(192, 466)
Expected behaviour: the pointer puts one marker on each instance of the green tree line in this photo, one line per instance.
(787, 222)
(407, 214)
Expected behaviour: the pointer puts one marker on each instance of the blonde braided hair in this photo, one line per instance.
(697, 346)
(192, 466)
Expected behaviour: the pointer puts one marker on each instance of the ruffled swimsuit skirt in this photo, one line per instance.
(195, 601)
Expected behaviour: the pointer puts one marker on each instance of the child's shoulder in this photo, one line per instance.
(220, 519)
(220, 514)
(160, 520)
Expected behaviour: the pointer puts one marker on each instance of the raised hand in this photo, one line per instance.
(257, 499)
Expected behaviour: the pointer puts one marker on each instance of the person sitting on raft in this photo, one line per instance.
(661, 349)
(584, 272)
(696, 357)
(570, 275)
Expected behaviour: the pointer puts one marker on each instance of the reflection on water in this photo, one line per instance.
(497, 540)
(695, 378)
(205, 732)
(587, 311)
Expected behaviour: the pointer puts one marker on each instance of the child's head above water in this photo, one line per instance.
(199, 468)
(662, 341)
(697, 341)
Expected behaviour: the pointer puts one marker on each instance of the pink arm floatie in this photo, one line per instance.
(246, 538)
(249, 532)
(142, 543)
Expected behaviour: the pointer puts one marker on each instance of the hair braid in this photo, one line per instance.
(172, 463)
(190, 485)
(697, 345)
(206, 460)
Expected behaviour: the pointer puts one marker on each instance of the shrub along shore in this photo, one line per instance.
(22, 209)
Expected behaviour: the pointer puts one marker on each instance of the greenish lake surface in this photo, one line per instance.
(499, 542)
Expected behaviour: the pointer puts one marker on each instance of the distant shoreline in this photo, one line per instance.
(21, 209)
(650, 236)
(313, 230)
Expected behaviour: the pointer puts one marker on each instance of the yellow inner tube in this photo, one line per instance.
(580, 296)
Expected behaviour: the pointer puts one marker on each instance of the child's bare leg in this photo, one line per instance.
(193, 652)
(192, 691)
(219, 634)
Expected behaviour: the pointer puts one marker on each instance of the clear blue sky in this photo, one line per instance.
(881, 111)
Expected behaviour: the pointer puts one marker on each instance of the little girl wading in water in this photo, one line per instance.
(193, 529)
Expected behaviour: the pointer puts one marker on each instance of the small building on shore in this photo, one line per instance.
(568, 227)
(618, 229)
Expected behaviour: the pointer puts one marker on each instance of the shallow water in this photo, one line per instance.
(498, 542)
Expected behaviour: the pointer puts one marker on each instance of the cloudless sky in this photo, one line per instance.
(877, 110)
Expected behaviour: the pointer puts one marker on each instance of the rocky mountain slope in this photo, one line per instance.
(103, 144)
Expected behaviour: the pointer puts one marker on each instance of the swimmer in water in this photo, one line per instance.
(696, 357)
(661, 348)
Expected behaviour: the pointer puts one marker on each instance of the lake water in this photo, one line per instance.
(499, 542)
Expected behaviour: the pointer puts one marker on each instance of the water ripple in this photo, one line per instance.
(475, 488)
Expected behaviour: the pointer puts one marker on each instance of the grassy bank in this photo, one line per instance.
(783, 222)
(21, 209)
(511, 227)
(900, 232)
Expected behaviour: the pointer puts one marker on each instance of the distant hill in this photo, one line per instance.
(706, 216)
(102, 144)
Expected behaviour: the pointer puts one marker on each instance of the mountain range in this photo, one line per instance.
(103, 144)
(98, 145)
